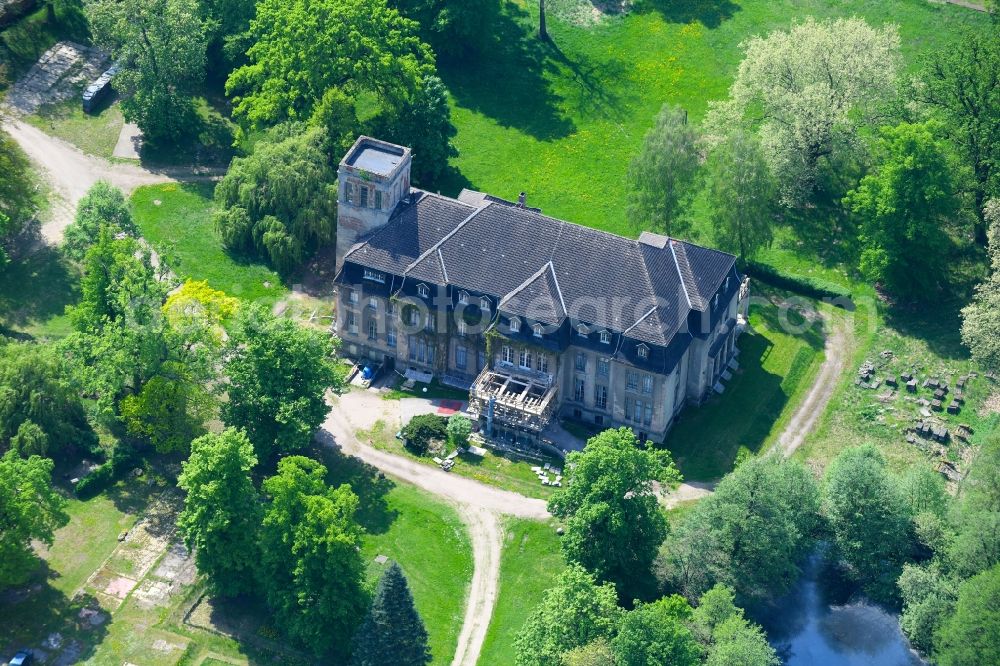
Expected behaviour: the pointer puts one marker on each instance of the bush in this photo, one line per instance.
(122, 460)
(800, 284)
(459, 429)
(422, 429)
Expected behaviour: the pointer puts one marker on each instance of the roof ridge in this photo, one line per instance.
(444, 269)
(680, 273)
(521, 287)
(555, 278)
(437, 246)
(640, 320)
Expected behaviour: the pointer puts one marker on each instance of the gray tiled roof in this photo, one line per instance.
(545, 269)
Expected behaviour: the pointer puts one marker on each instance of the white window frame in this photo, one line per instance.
(423, 290)
(515, 325)
(605, 338)
(352, 296)
(582, 331)
(374, 276)
(542, 363)
(642, 351)
(463, 297)
(507, 354)
(462, 327)
(524, 358)
(373, 329)
(484, 304)
(373, 303)
(538, 330)
(647, 384)
(390, 336)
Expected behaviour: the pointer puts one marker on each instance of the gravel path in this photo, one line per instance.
(479, 505)
(804, 419)
(70, 173)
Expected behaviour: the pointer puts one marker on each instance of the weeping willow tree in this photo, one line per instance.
(280, 202)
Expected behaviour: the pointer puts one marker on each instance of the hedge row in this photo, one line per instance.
(122, 461)
(801, 284)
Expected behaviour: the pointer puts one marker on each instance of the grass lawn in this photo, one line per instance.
(530, 562)
(34, 293)
(433, 391)
(94, 134)
(180, 228)
(570, 114)
(776, 369)
(429, 541)
(88, 538)
(424, 535)
(496, 470)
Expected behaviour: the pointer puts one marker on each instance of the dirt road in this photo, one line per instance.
(71, 172)
(804, 419)
(480, 507)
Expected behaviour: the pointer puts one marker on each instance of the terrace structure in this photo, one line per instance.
(537, 317)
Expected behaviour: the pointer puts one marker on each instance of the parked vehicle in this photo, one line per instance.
(99, 90)
(22, 658)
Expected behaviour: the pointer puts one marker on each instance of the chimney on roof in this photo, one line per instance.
(521, 198)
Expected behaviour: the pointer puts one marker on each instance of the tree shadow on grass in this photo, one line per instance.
(508, 83)
(37, 288)
(710, 13)
(29, 614)
(592, 96)
(368, 483)
(936, 324)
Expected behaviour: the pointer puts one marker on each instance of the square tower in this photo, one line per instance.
(373, 177)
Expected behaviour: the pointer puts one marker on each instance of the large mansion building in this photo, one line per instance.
(537, 317)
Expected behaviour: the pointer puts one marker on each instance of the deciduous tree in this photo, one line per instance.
(160, 49)
(751, 534)
(661, 175)
(972, 635)
(102, 205)
(614, 525)
(18, 196)
(30, 509)
(657, 634)
(280, 202)
(729, 639)
(40, 407)
(807, 91)
(303, 48)
(311, 568)
(904, 207)
(279, 373)
(573, 613)
(868, 516)
(743, 195)
(960, 83)
(393, 633)
(222, 512)
(981, 318)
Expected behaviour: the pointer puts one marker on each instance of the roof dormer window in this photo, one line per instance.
(538, 330)
(515, 325)
(643, 351)
(423, 290)
(582, 331)
(484, 304)
(463, 297)
(605, 337)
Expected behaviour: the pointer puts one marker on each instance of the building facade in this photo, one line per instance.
(537, 317)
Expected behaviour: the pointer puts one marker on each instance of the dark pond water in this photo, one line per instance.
(809, 628)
